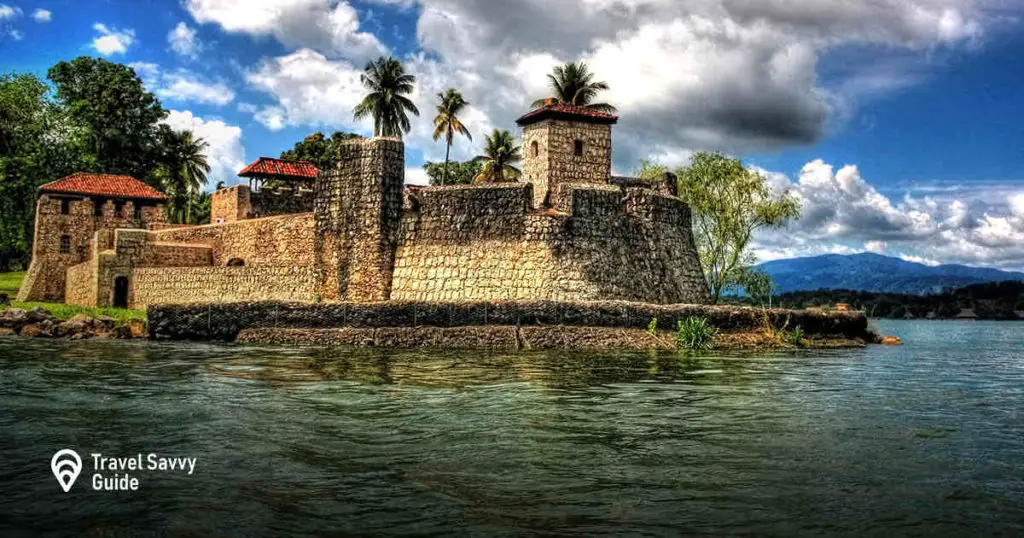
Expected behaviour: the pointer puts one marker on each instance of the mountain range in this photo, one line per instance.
(876, 273)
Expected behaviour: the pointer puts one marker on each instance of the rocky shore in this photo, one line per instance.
(41, 323)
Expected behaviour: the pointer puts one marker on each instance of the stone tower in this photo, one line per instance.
(358, 213)
(565, 144)
(69, 212)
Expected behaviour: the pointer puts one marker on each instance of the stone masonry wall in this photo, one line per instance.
(283, 241)
(46, 277)
(549, 156)
(238, 202)
(81, 284)
(358, 214)
(481, 243)
(152, 286)
(230, 204)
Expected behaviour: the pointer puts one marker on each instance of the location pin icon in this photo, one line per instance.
(65, 466)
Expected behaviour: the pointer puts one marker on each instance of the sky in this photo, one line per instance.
(899, 124)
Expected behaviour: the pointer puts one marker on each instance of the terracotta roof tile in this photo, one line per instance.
(266, 166)
(108, 185)
(567, 112)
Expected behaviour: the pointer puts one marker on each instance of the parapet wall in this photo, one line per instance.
(483, 243)
(283, 241)
(173, 285)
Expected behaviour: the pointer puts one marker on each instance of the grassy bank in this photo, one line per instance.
(10, 282)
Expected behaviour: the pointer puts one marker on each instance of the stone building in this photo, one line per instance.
(70, 212)
(276, 187)
(569, 231)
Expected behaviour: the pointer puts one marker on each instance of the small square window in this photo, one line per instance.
(65, 244)
(65, 207)
(577, 148)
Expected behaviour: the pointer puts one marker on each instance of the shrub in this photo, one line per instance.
(795, 337)
(695, 333)
(652, 327)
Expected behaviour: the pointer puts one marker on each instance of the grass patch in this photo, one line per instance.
(694, 334)
(10, 282)
(62, 311)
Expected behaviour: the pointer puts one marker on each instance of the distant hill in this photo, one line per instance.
(877, 273)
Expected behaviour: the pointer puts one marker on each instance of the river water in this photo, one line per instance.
(921, 440)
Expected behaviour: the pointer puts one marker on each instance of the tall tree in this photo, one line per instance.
(194, 167)
(447, 122)
(318, 149)
(729, 203)
(182, 172)
(120, 116)
(387, 103)
(573, 84)
(38, 144)
(458, 173)
(500, 153)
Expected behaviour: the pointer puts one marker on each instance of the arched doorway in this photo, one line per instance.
(121, 292)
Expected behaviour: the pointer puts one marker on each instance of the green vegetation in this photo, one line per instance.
(62, 311)
(459, 173)
(730, 203)
(795, 337)
(573, 84)
(695, 333)
(652, 327)
(387, 103)
(994, 300)
(447, 123)
(500, 153)
(10, 282)
(92, 116)
(317, 149)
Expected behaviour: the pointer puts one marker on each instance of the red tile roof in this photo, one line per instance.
(107, 185)
(268, 167)
(567, 112)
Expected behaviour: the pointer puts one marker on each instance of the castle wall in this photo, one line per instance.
(357, 217)
(555, 161)
(482, 243)
(236, 203)
(283, 241)
(46, 277)
(175, 285)
(81, 284)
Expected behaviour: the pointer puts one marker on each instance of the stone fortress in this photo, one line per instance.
(567, 231)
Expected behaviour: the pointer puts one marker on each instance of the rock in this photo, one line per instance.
(104, 323)
(37, 315)
(4, 331)
(35, 330)
(76, 327)
(891, 341)
(138, 328)
(12, 318)
(122, 332)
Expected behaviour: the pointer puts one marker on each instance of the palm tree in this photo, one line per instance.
(447, 123)
(194, 167)
(573, 84)
(387, 102)
(500, 152)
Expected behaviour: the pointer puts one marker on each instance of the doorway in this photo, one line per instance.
(121, 292)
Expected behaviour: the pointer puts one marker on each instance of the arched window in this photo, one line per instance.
(65, 244)
(577, 147)
(236, 262)
(534, 149)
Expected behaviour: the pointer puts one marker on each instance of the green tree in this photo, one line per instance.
(500, 153)
(182, 172)
(317, 149)
(729, 203)
(459, 173)
(119, 115)
(38, 144)
(573, 84)
(650, 170)
(759, 286)
(447, 122)
(387, 103)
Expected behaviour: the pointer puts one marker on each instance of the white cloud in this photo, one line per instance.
(42, 15)
(183, 41)
(416, 176)
(17, 35)
(112, 40)
(8, 12)
(225, 154)
(183, 85)
(842, 208)
(328, 26)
